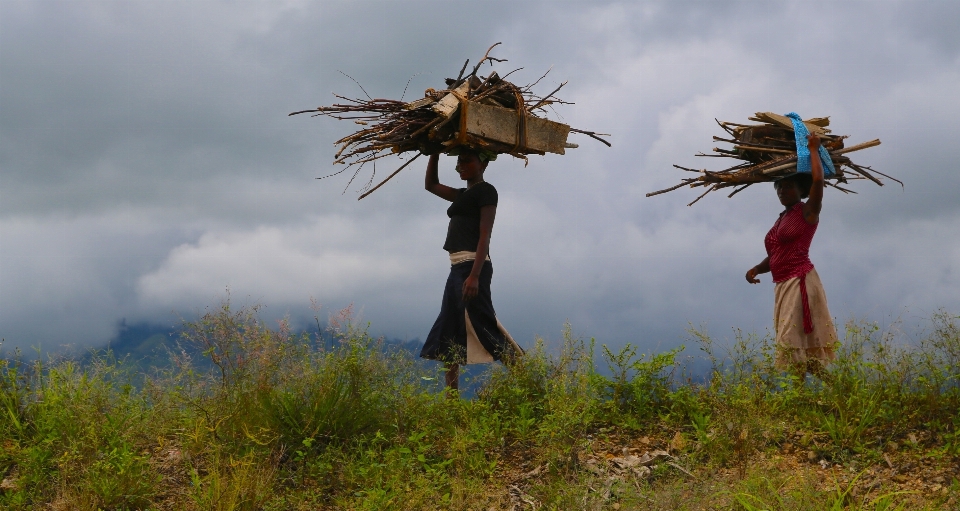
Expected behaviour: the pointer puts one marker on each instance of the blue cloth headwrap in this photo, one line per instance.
(803, 154)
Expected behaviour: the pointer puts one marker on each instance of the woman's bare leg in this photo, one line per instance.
(814, 367)
(453, 376)
(800, 374)
(819, 369)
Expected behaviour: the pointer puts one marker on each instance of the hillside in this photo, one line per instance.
(277, 420)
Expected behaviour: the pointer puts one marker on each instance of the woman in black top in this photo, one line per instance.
(467, 330)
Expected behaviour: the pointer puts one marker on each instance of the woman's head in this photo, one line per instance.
(471, 163)
(793, 189)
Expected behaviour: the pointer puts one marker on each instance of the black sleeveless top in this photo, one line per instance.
(463, 233)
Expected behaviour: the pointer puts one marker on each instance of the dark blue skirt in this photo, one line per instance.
(447, 340)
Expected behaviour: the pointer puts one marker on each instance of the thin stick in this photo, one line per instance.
(542, 101)
(354, 176)
(718, 155)
(486, 56)
(844, 190)
(882, 174)
(372, 176)
(754, 146)
(510, 73)
(462, 69)
(721, 139)
(712, 188)
(426, 127)
(341, 171)
(358, 84)
(728, 130)
(741, 166)
(764, 149)
(406, 86)
(860, 170)
(678, 467)
(738, 190)
(726, 151)
(390, 176)
(779, 167)
(742, 125)
(593, 135)
(672, 188)
(528, 87)
(305, 112)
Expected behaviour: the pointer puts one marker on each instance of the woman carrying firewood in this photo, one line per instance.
(805, 332)
(467, 329)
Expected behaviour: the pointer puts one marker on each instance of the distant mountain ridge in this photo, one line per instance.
(149, 345)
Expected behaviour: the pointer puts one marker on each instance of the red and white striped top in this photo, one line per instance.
(788, 245)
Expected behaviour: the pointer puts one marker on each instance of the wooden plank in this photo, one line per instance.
(449, 104)
(780, 167)
(763, 149)
(413, 105)
(857, 147)
(500, 125)
(851, 149)
(786, 122)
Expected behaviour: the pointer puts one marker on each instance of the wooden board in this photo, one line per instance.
(450, 103)
(500, 124)
(786, 122)
(422, 102)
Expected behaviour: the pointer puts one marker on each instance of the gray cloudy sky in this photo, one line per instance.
(148, 163)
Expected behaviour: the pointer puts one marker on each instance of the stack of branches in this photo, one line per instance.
(768, 152)
(503, 119)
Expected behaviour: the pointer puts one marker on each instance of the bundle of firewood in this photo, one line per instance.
(488, 114)
(768, 152)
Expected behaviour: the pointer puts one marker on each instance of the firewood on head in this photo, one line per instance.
(769, 153)
(475, 111)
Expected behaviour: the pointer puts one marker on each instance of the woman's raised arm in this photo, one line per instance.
(432, 181)
(811, 209)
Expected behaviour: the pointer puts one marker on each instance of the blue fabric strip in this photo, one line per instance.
(803, 154)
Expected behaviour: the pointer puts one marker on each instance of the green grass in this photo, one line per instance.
(284, 422)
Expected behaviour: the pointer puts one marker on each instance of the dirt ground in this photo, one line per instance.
(621, 470)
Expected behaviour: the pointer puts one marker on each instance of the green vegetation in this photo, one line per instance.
(282, 422)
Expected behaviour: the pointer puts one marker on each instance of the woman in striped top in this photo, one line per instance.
(806, 336)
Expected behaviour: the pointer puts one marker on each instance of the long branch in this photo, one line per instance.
(390, 176)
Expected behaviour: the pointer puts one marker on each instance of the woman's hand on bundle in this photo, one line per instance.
(471, 287)
(431, 149)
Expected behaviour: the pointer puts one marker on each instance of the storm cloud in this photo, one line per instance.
(147, 163)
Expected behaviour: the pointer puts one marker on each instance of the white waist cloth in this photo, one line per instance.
(463, 256)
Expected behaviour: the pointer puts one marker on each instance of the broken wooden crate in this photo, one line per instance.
(487, 124)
